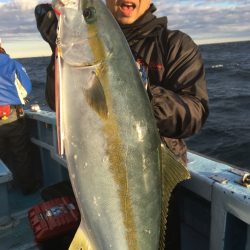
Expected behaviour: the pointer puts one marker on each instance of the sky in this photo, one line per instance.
(205, 21)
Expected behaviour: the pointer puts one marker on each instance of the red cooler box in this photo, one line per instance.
(53, 218)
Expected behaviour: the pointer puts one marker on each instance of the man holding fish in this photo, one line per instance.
(171, 69)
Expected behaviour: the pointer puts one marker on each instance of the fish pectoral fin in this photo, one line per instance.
(172, 172)
(81, 241)
(95, 96)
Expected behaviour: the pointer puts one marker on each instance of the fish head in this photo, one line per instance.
(80, 39)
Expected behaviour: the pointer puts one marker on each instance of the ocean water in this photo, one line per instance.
(226, 134)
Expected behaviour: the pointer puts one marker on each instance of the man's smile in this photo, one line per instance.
(128, 11)
(127, 8)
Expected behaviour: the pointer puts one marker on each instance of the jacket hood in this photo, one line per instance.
(144, 29)
(148, 25)
(4, 58)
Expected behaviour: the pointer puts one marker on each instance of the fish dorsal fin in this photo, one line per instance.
(95, 96)
(172, 172)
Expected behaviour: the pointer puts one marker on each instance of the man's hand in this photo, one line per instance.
(46, 21)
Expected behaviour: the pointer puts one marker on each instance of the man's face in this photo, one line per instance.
(127, 11)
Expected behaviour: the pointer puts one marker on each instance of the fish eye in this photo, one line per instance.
(89, 15)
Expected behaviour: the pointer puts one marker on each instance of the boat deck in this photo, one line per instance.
(17, 234)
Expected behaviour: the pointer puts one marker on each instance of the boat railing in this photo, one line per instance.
(215, 203)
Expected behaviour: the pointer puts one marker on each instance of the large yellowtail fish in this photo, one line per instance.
(112, 145)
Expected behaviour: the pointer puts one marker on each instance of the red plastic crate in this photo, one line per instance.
(53, 218)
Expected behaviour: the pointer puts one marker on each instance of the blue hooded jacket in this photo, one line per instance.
(15, 84)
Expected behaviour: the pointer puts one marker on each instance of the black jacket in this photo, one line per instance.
(176, 78)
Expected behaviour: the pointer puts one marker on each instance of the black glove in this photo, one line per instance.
(46, 22)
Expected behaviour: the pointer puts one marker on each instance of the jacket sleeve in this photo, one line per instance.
(46, 21)
(23, 77)
(180, 103)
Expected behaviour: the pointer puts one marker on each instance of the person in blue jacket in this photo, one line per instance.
(15, 86)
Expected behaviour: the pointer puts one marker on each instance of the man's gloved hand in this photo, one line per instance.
(46, 22)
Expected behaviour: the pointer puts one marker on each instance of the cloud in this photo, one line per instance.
(208, 19)
(23, 5)
(205, 21)
(17, 19)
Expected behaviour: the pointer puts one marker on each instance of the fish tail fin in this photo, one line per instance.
(173, 172)
(81, 241)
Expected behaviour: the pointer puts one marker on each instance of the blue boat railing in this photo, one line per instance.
(229, 202)
(215, 207)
